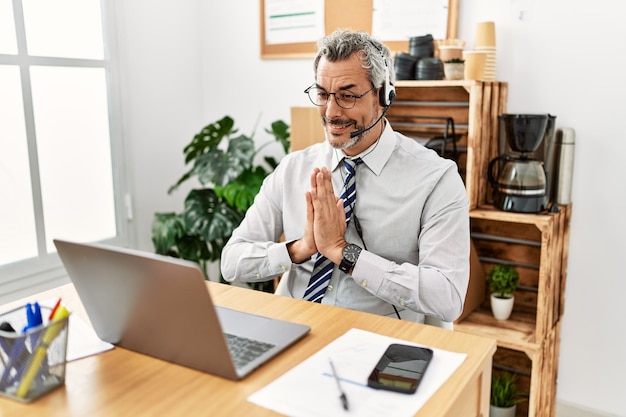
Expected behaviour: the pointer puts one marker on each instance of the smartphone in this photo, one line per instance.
(401, 368)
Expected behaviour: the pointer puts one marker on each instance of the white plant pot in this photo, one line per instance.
(502, 412)
(454, 70)
(502, 307)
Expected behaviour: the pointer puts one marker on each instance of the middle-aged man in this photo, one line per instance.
(371, 219)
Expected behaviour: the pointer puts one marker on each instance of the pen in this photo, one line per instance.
(7, 344)
(33, 316)
(16, 352)
(344, 399)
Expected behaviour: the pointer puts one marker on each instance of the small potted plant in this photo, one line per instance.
(454, 69)
(502, 281)
(504, 395)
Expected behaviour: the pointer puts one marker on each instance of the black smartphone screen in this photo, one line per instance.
(401, 368)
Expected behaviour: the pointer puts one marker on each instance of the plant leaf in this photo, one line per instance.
(502, 279)
(504, 392)
(210, 217)
(182, 179)
(219, 167)
(209, 165)
(240, 193)
(271, 161)
(209, 138)
(167, 228)
(205, 142)
(280, 130)
(242, 149)
(194, 248)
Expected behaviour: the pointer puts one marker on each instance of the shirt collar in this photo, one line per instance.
(376, 156)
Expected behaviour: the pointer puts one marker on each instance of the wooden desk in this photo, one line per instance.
(124, 383)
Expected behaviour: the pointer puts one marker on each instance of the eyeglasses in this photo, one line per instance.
(345, 99)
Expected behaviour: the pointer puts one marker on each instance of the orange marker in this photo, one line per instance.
(54, 309)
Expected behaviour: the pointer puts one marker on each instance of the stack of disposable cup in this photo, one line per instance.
(474, 65)
(485, 41)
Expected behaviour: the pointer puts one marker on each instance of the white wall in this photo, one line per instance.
(189, 63)
(561, 61)
(159, 45)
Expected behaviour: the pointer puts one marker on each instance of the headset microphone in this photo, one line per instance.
(386, 95)
(361, 131)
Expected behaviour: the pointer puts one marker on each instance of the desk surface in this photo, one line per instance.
(124, 383)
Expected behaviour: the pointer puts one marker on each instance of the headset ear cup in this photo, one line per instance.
(392, 94)
(382, 95)
(387, 93)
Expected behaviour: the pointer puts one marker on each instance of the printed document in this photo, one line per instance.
(309, 389)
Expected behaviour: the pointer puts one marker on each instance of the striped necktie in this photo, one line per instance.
(323, 268)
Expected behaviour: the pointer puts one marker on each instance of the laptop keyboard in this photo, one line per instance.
(244, 350)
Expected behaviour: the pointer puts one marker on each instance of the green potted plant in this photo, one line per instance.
(504, 395)
(454, 69)
(224, 164)
(502, 280)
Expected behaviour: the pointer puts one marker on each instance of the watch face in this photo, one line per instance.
(351, 253)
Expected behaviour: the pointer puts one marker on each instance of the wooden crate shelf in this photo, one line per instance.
(473, 105)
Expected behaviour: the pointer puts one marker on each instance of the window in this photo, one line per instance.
(58, 153)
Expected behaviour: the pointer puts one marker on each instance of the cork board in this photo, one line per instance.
(352, 14)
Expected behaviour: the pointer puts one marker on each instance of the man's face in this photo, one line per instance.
(349, 77)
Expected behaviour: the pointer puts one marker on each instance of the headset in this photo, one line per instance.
(386, 95)
(387, 91)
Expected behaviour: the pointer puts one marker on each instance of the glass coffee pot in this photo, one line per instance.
(519, 181)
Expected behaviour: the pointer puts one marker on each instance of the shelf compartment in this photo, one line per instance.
(518, 332)
(474, 106)
(534, 244)
(536, 372)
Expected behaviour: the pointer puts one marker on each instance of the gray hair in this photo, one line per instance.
(374, 56)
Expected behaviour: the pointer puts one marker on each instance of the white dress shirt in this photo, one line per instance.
(414, 213)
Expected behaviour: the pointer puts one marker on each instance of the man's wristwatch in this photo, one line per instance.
(350, 255)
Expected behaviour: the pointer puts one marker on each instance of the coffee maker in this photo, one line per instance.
(522, 175)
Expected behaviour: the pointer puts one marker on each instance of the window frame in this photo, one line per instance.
(28, 276)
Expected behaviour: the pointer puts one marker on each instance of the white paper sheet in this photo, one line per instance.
(293, 21)
(399, 20)
(309, 390)
(82, 340)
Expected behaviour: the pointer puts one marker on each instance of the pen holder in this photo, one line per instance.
(32, 361)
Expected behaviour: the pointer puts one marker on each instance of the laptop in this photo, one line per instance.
(160, 306)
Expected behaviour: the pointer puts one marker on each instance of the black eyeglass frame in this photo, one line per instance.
(355, 96)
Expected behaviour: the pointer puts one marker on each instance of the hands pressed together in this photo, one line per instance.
(326, 221)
